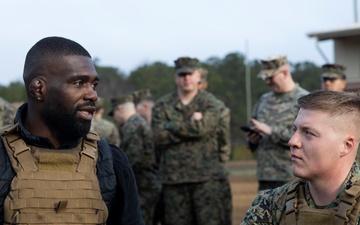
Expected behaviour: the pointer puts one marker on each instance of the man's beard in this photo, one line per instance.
(64, 122)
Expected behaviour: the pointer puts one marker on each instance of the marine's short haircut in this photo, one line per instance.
(335, 103)
(50, 47)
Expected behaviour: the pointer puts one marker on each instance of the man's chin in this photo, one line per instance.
(189, 90)
(81, 130)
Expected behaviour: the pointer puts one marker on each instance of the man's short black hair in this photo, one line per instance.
(50, 47)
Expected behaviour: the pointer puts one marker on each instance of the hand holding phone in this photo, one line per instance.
(246, 129)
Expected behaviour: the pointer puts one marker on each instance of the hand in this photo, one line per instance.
(196, 116)
(253, 137)
(261, 127)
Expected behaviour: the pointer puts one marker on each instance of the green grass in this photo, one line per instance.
(241, 152)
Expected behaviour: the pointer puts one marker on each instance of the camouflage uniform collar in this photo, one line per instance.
(179, 105)
(353, 176)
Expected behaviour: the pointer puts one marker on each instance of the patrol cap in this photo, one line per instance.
(142, 95)
(186, 65)
(270, 65)
(333, 71)
(118, 101)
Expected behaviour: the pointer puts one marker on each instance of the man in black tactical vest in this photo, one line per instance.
(53, 169)
(326, 135)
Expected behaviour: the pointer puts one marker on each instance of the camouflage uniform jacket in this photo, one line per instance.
(138, 144)
(189, 149)
(273, 153)
(106, 130)
(7, 113)
(269, 206)
(223, 135)
(224, 139)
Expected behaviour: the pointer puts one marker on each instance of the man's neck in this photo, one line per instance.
(324, 191)
(128, 115)
(289, 87)
(187, 97)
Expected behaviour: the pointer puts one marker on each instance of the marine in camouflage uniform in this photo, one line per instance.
(137, 143)
(7, 112)
(323, 149)
(277, 109)
(144, 102)
(333, 77)
(224, 146)
(103, 127)
(189, 164)
(269, 206)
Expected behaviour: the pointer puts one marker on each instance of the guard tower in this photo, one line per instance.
(346, 51)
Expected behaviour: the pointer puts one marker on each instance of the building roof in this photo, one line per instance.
(346, 31)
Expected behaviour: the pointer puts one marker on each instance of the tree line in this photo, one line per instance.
(227, 80)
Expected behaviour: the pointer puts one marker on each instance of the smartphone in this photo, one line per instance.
(246, 128)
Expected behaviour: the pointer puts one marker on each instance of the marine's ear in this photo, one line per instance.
(36, 89)
(349, 146)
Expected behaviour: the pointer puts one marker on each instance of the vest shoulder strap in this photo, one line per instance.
(89, 153)
(349, 205)
(292, 201)
(17, 149)
(8, 128)
(92, 135)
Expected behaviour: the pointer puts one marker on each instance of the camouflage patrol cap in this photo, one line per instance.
(142, 95)
(333, 71)
(270, 65)
(118, 101)
(186, 65)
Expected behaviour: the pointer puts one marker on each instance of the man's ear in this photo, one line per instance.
(36, 89)
(286, 70)
(349, 146)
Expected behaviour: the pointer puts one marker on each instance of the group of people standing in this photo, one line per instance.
(273, 116)
(306, 146)
(165, 161)
(178, 147)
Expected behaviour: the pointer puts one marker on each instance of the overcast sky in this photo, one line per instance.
(128, 33)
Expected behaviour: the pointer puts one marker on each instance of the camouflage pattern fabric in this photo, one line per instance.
(189, 149)
(106, 130)
(7, 113)
(224, 146)
(273, 153)
(181, 209)
(357, 159)
(333, 71)
(270, 65)
(186, 65)
(190, 168)
(137, 143)
(224, 137)
(269, 206)
(226, 201)
(148, 202)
